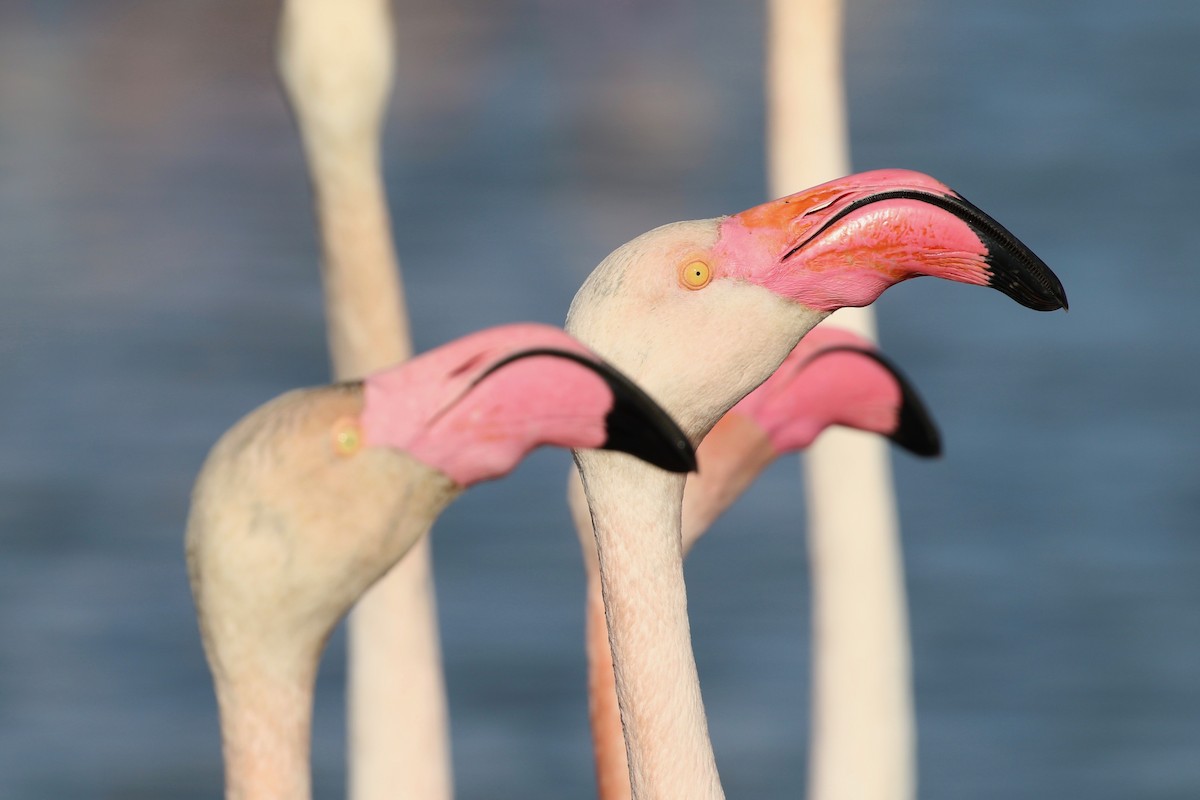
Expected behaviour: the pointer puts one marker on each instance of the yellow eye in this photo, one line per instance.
(695, 275)
(347, 436)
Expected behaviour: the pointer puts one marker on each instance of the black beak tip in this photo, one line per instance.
(652, 437)
(917, 433)
(1012, 267)
(640, 427)
(915, 430)
(1027, 280)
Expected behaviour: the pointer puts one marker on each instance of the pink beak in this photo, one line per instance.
(915, 429)
(844, 242)
(635, 424)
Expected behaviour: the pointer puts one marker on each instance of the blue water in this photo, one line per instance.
(157, 265)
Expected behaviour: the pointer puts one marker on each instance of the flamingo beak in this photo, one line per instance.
(868, 231)
(915, 430)
(1012, 267)
(635, 424)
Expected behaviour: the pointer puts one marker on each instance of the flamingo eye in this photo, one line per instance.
(347, 436)
(695, 275)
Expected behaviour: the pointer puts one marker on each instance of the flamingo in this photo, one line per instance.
(700, 313)
(833, 377)
(335, 59)
(307, 501)
(862, 704)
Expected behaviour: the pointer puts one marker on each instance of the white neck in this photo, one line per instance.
(635, 512)
(861, 696)
(335, 60)
(266, 715)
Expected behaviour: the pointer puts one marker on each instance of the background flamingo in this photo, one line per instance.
(336, 58)
(310, 499)
(833, 377)
(862, 707)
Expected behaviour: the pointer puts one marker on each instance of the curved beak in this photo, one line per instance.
(915, 430)
(635, 424)
(1012, 267)
(844, 242)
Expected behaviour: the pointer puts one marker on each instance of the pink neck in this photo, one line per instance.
(636, 511)
(731, 457)
(608, 740)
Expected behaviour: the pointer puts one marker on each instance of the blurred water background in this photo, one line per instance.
(158, 279)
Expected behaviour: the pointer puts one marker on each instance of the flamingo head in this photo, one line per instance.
(473, 408)
(836, 377)
(699, 313)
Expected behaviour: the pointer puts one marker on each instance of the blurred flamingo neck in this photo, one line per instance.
(731, 458)
(364, 297)
(266, 717)
(608, 741)
(635, 509)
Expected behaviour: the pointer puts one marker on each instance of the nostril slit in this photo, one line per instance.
(826, 205)
(466, 366)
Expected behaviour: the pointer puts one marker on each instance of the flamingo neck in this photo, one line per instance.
(608, 741)
(636, 516)
(731, 457)
(266, 717)
(340, 110)
(861, 674)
